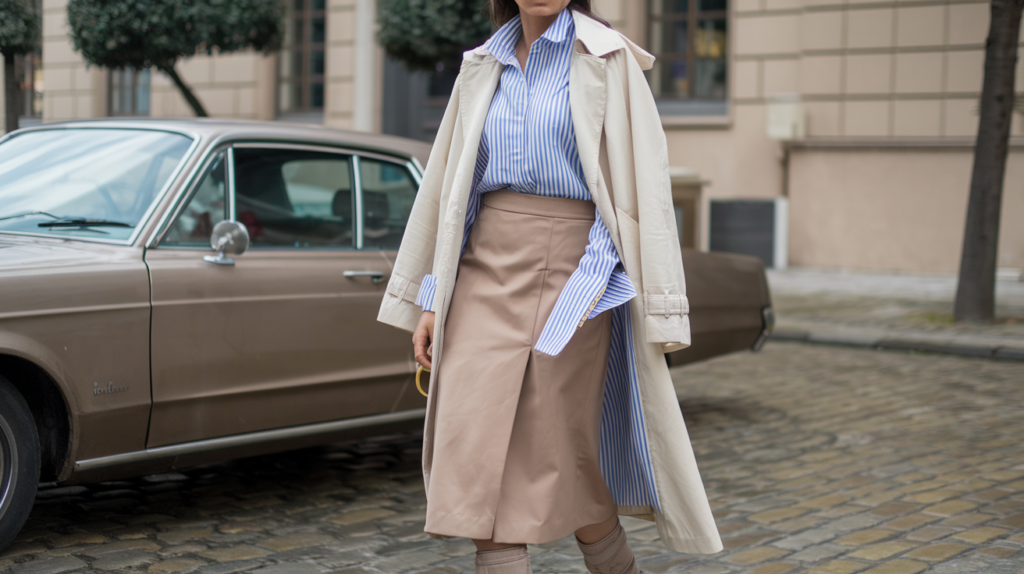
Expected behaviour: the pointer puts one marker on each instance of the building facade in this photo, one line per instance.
(872, 106)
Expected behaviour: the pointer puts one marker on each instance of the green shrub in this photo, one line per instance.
(424, 33)
(157, 33)
(19, 34)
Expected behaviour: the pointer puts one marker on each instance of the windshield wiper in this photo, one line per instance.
(83, 222)
(27, 213)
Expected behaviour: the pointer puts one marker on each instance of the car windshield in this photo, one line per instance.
(88, 183)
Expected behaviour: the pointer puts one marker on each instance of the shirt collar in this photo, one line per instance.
(502, 45)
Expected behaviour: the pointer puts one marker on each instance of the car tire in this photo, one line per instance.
(19, 462)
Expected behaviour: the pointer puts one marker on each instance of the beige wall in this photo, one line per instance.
(229, 86)
(338, 92)
(72, 90)
(893, 209)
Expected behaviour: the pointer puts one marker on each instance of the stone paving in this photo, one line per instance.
(817, 459)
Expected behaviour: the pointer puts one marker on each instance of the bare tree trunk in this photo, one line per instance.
(976, 291)
(191, 98)
(12, 95)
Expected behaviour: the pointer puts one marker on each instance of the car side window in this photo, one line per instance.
(295, 199)
(206, 208)
(389, 191)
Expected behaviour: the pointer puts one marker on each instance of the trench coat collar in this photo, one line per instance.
(600, 40)
(596, 38)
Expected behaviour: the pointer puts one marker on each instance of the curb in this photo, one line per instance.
(897, 344)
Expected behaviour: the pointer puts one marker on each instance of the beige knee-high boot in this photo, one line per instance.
(515, 560)
(610, 555)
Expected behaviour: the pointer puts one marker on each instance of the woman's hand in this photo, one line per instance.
(422, 346)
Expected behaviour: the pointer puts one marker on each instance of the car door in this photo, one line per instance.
(287, 335)
(388, 193)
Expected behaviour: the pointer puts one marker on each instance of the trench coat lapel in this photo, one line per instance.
(481, 75)
(588, 102)
(587, 96)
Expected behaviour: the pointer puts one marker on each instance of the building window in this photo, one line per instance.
(301, 65)
(28, 73)
(689, 38)
(128, 92)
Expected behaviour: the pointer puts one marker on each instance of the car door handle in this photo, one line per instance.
(375, 276)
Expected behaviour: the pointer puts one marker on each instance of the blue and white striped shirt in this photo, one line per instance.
(529, 146)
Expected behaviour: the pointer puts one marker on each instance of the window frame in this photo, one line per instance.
(692, 110)
(410, 165)
(301, 79)
(115, 76)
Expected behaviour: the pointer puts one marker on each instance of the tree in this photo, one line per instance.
(424, 33)
(19, 34)
(976, 290)
(157, 33)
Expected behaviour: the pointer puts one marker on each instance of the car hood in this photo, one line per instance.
(23, 253)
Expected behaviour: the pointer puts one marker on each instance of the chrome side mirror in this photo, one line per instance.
(228, 237)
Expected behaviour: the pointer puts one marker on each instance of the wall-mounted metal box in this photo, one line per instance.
(758, 227)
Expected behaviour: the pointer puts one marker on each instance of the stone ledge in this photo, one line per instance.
(898, 344)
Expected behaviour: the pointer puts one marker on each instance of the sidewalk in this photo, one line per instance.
(888, 311)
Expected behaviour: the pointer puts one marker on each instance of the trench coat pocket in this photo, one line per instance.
(629, 238)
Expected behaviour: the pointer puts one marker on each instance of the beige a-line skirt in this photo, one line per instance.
(516, 439)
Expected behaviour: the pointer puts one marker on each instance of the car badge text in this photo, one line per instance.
(110, 389)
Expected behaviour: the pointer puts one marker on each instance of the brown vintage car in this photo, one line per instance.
(128, 346)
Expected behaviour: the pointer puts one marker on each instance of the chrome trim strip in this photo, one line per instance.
(767, 326)
(357, 182)
(229, 191)
(53, 312)
(419, 166)
(245, 440)
(414, 169)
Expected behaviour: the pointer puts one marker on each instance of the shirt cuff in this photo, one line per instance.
(619, 291)
(425, 297)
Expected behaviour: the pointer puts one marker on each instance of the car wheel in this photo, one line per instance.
(19, 462)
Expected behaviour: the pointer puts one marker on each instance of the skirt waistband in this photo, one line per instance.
(555, 207)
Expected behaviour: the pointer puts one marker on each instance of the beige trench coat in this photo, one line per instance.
(625, 159)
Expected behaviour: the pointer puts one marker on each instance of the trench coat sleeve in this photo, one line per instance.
(416, 254)
(666, 308)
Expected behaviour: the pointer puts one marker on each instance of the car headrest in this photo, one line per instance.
(341, 205)
(375, 208)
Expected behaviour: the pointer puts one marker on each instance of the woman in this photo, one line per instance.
(540, 273)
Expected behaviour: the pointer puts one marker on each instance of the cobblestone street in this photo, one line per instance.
(817, 459)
